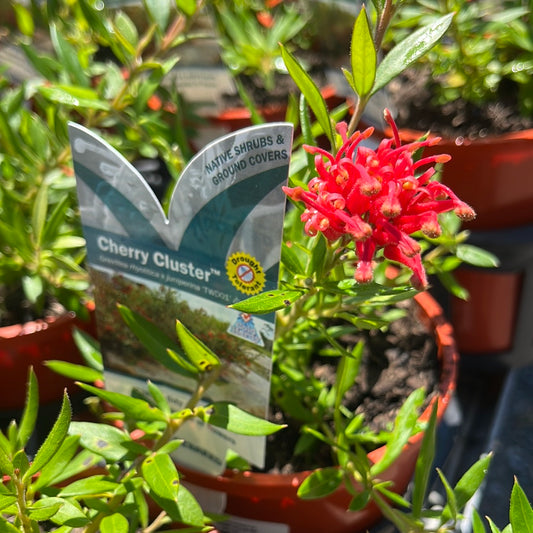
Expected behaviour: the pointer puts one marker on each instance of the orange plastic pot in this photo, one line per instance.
(486, 322)
(272, 498)
(493, 174)
(32, 343)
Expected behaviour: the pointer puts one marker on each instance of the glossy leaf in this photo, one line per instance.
(186, 510)
(310, 91)
(158, 11)
(520, 511)
(132, 407)
(89, 349)
(409, 50)
(359, 501)
(39, 211)
(320, 483)
(7, 527)
(115, 523)
(477, 523)
(228, 416)
(44, 509)
(73, 96)
(452, 507)
(363, 55)
(161, 475)
(202, 357)
(267, 302)
(403, 429)
(54, 439)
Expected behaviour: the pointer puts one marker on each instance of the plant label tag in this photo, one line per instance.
(217, 243)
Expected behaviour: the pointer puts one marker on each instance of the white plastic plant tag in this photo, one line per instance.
(218, 244)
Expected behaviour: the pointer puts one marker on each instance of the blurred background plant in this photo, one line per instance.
(486, 56)
(92, 65)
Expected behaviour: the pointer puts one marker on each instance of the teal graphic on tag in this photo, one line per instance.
(218, 243)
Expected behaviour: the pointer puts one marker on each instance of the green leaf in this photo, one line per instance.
(477, 523)
(468, 484)
(310, 91)
(155, 341)
(493, 527)
(320, 483)
(74, 371)
(115, 523)
(89, 349)
(68, 57)
(73, 96)
(44, 509)
(363, 54)
(69, 514)
(31, 409)
(158, 11)
(409, 50)
(186, 510)
(424, 463)
(159, 398)
(403, 429)
(347, 372)
(89, 486)
(360, 501)
(132, 407)
(54, 439)
(198, 353)
(520, 511)
(267, 302)
(476, 256)
(33, 288)
(126, 33)
(228, 416)
(24, 19)
(102, 439)
(451, 504)
(161, 475)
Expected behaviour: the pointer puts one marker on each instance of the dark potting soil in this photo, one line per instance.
(394, 364)
(411, 97)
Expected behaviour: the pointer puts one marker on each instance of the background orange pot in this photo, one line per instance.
(272, 498)
(32, 343)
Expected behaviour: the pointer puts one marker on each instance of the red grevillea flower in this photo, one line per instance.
(378, 198)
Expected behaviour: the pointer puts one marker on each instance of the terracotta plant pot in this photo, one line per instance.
(271, 499)
(494, 174)
(32, 343)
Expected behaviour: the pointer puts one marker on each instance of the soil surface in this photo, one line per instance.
(394, 364)
(410, 96)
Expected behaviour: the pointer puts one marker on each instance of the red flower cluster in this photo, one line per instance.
(374, 197)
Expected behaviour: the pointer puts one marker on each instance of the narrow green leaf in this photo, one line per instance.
(347, 372)
(161, 475)
(44, 509)
(54, 439)
(363, 55)
(159, 398)
(476, 256)
(493, 527)
(115, 523)
(409, 50)
(310, 91)
(452, 506)
(477, 523)
(132, 407)
(89, 486)
(38, 218)
(154, 340)
(359, 501)
(69, 58)
(73, 96)
(320, 483)
(267, 302)
(7, 527)
(24, 19)
(126, 32)
(31, 409)
(89, 349)
(74, 371)
(403, 429)
(186, 510)
(198, 353)
(424, 463)
(229, 416)
(468, 484)
(520, 511)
